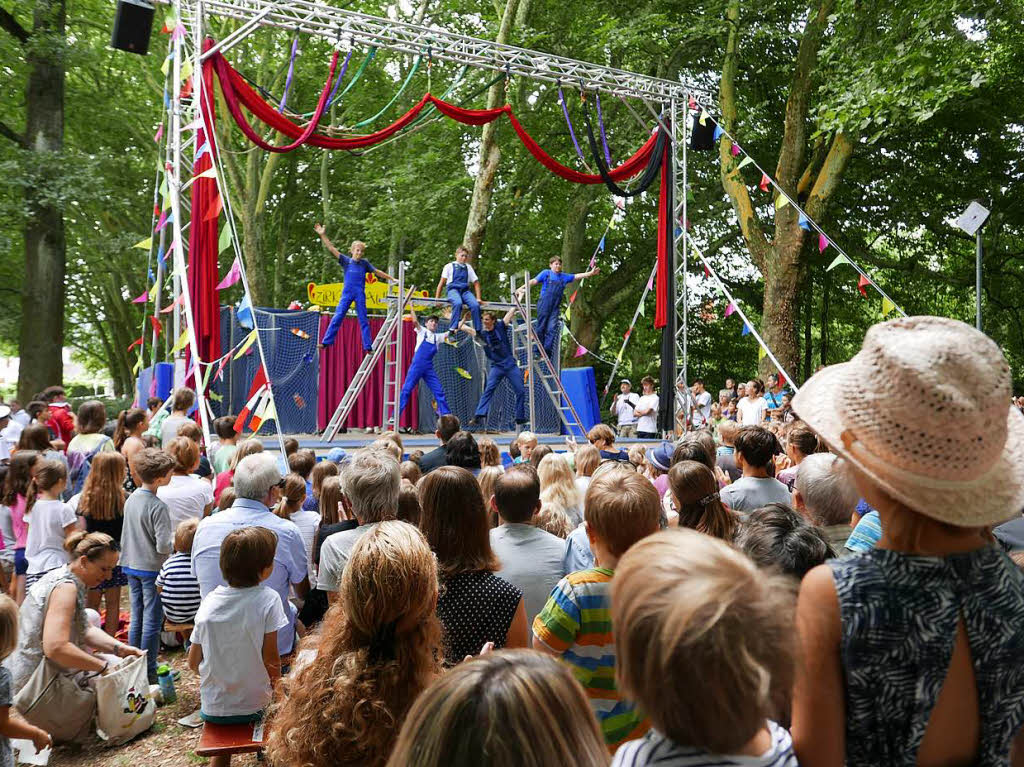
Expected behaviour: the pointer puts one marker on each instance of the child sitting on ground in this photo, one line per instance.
(176, 585)
(234, 642)
(621, 508)
(11, 723)
(526, 443)
(724, 666)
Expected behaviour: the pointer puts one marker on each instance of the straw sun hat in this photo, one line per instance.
(924, 409)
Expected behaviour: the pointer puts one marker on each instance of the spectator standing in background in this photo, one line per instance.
(647, 411)
(623, 408)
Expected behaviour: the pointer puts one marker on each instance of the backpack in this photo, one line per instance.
(79, 466)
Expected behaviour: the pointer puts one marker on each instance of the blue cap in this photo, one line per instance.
(660, 457)
(337, 455)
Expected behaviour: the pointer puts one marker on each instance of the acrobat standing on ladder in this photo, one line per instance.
(422, 367)
(356, 268)
(498, 349)
(552, 282)
(458, 275)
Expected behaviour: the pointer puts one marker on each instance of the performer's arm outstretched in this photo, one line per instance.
(319, 229)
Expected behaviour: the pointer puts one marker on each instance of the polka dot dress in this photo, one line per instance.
(474, 608)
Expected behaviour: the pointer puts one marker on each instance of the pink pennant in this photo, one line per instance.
(735, 150)
(620, 203)
(141, 299)
(822, 243)
(221, 366)
(692, 103)
(196, 124)
(234, 275)
(650, 283)
(162, 222)
(765, 181)
(179, 301)
(179, 31)
(159, 134)
(730, 309)
(215, 209)
(191, 370)
(593, 262)
(580, 350)
(152, 387)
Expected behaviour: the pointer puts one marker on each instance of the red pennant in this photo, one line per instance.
(258, 382)
(186, 89)
(707, 272)
(861, 283)
(157, 325)
(765, 181)
(214, 212)
(692, 103)
(572, 298)
(627, 334)
(156, 210)
(137, 342)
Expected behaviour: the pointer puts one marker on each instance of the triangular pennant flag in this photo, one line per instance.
(620, 203)
(707, 272)
(761, 353)
(822, 243)
(179, 31)
(611, 222)
(745, 162)
(568, 312)
(215, 209)
(627, 334)
(730, 309)
(154, 290)
(225, 239)
(163, 187)
(191, 370)
(162, 222)
(145, 244)
(206, 376)
(618, 357)
(572, 298)
(221, 366)
(201, 151)
(186, 69)
(593, 262)
(650, 283)
(703, 117)
(259, 412)
(138, 366)
(141, 299)
(210, 172)
(181, 343)
(862, 283)
(214, 396)
(718, 132)
(735, 150)
(642, 310)
(161, 257)
(746, 330)
(259, 383)
(166, 204)
(580, 350)
(243, 313)
(166, 66)
(245, 347)
(234, 275)
(781, 201)
(194, 125)
(840, 259)
(137, 342)
(159, 134)
(600, 245)
(692, 103)
(157, 325)
(765, 181)
(887, 306)
(179, 301)
(804, 222)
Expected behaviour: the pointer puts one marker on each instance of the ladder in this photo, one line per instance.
(393, 357)
(545, 373)
(382, 342)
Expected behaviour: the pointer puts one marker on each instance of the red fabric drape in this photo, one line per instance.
(202, 245)
(665, 244)
(338, 364)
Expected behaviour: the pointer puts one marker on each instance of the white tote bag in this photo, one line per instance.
(124, 705)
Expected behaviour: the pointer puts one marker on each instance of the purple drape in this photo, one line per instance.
(338, 365)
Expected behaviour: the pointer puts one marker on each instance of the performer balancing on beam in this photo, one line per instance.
(458, 276)
(553, 282)
(498, 349)
(422, 367)
(356, 268)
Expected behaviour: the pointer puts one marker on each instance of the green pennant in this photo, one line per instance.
(225, 239)
(643, 312)
(214, 396)
(745, 162)
(840, 259)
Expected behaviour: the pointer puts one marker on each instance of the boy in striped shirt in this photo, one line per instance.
(178, 588)
(621, 507)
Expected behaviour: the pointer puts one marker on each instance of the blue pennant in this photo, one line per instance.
(804, 222)
(746, 330)
(718, 132)
(243, 312)
(202, 150)
(152, 277)
(600, 245)
(167, 100)
(678, 231)
(161, 256)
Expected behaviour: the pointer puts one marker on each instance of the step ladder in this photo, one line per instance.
(382, 344)
(544, 371)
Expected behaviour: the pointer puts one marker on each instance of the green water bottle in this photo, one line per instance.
(166, 682)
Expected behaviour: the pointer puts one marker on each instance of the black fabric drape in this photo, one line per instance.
(646, 178)
(667, 401)
(702, 137)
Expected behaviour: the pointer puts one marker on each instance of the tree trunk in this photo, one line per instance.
(42, 304)
(575, 257)
(825, 282)
(807, 311)
(490, 153)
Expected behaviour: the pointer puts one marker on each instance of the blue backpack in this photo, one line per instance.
(79, 466)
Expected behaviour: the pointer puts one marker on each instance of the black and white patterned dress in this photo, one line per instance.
(899, 615)
(475, 608)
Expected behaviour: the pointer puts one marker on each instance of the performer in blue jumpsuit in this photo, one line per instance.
(503, 365)
(458, 276)
(422, 367)
(552, 282)
(356, 268)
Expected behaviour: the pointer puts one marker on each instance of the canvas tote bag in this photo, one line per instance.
(124, 706)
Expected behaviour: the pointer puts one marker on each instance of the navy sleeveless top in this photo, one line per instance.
(899, 615)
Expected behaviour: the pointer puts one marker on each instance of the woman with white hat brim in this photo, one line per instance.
(913, 653)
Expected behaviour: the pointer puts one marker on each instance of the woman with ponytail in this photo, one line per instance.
(52, 520)
(694, 491)
(131, 425)
(378, 650)
(15, 497)
(801, 442)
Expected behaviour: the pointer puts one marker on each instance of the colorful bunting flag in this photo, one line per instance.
(840, 259)
(627, 334)
(154, 290)
(620, 203)
(650, 283)
(181, 343)
(887, 306)
(161, 257)
(643, 310)
(260, 411)
(179, 301)
(186, 89)
(138, 366)
(862, 283)
(137, 342)
(186, 69)
(259, 385)
(166, 66)
(730, 309)
(761, 353)
(162, 222)
(201, 151)
(221, 366)
(745, 162)
(804, 222)
(214, 396)
(214, 212)
(600, 245)
(194, 125)
(159, 134)
(822, 243)
(145, 244)
(234, 275)
(179, 31)
(225, 239)
(781, 201)
(249, 341)
(142, 298)
(735, 150)
(206, 377)
(692, 103)
(765, 181)
(210, 172)
(580, 350)
(746, 330)
(718, 132)
(703, 120)
(157, 325)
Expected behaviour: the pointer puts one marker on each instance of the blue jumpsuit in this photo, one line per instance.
(422, 367)
(551, 291)
(354, 291)
(503, 365)
(459, 294)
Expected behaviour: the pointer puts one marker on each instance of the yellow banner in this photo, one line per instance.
(327, 296)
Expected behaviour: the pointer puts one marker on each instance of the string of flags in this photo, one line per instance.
(805, 222)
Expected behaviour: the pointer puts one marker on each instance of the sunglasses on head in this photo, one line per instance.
(279, 483)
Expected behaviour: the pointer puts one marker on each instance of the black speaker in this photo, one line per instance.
(132, 26)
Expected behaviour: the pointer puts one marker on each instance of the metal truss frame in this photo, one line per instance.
(346, 28)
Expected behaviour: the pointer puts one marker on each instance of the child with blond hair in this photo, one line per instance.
(11, 723)
(725, 661)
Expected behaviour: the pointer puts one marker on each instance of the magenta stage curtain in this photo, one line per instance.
(338, 365)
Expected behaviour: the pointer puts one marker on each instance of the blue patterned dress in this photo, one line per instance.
(899, 616)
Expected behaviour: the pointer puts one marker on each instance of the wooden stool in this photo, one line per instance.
(226, 739)
(173, 628)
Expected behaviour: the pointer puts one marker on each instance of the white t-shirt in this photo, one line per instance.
(422, 334)
(11, 433)
(449, 271)
(308, 522)
(649, 422)
(186, 498)
(750, 412)
(623, 406)
(169, 429)
(703, 401)
(230, 626)
(44, 547)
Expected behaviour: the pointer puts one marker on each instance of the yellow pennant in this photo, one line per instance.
(186, 69)
(166, 66)
(703, 117)
(761, 353)
(214, 396)
(887, 306)
(245, 347)
(138, 366)
(781, 201)
(145, 244)
(154, 290)
(181, 343)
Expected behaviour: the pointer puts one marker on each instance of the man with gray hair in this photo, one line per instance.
(827, 497)
(372, 484)
(257, 484)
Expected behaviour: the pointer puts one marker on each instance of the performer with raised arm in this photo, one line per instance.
(498, 349)
(458, 276)
(422, 367)
(356, 268)
(552, 281)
